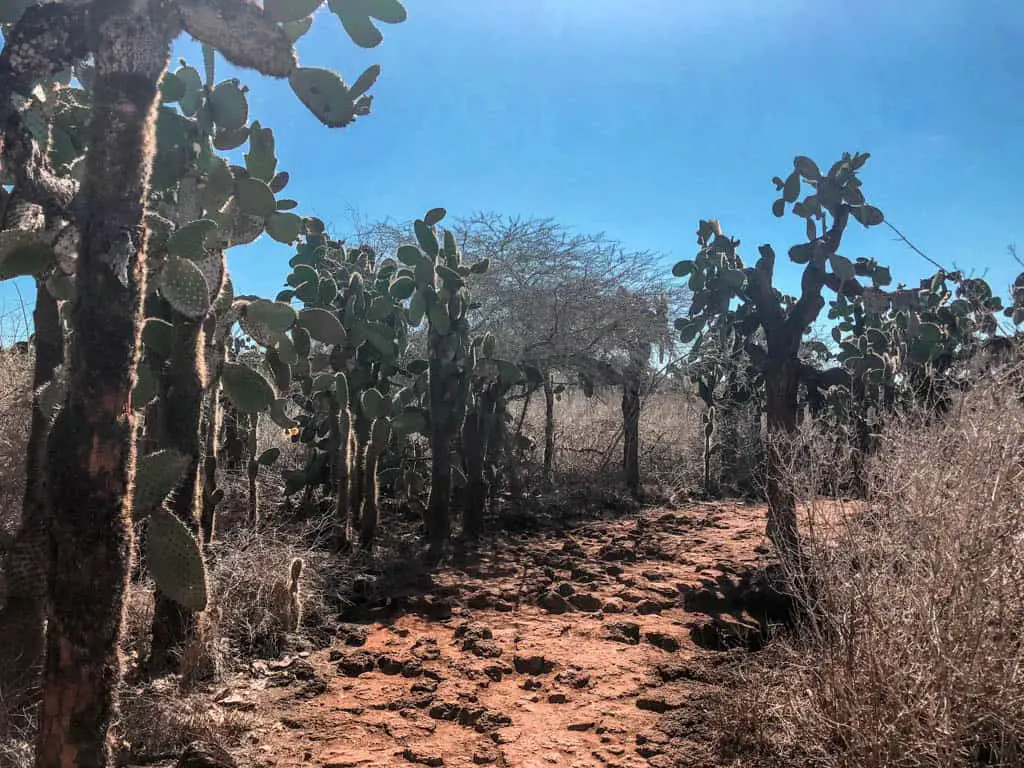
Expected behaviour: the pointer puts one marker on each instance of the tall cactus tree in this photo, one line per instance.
(435, 272)
(92, 437)
(718, 276)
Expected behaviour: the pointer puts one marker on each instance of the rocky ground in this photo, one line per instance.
(599, 646)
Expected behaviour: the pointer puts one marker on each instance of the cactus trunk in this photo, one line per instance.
(476, 446)
(380, 434)
(253, 472)
(341, 427)
(93, 437)
(709, 432)
(211, 497)
(371, 500)
(173, 624)
(27, 565)
(782, 381)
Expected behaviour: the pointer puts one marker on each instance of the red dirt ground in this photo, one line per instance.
(572, 649)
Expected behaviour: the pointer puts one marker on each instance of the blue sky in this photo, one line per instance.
(638, 117)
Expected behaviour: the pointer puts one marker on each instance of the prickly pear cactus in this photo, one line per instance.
(175, 560)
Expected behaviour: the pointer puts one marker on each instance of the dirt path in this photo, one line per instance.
(581, 649)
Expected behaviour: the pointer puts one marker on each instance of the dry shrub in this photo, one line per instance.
(915, 654)
(245, 568)
(159, 722)
(588, 436)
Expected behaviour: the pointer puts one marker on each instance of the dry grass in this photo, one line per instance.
(915, 657)
(15, 411)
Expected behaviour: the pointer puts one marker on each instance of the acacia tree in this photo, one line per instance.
(731, 297)
(574, 304)
(104, 231)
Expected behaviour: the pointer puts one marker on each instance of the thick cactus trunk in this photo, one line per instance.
(93, 437)
(782, 381)
(27, 565)
(445, 421)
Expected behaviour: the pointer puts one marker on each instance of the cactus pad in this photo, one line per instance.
(183, 285)
(189, 241)
(322, 325)
(176, 561)
(324, 94)
(275, 315)
(156, 475)
(380, 434)
(246, 388)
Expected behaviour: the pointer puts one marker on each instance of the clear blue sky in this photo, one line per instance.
(638, 117)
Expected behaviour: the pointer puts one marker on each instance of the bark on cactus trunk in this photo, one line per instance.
(27, 565)
(93, 437)
(782, 382)
(173, 624)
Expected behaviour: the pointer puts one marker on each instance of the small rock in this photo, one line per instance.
(723, 633)
(201, 755)
(613, 606)
(648, 607)
(557, 698)
(660, 703)
(445, 711)
(585, 725)
(424, 686)
(534, 664)
(422, 758)
(485, 649)
(624, 632)
(486, 756)
(480, 600)
(565, 589)
(663, 640)
(552, 602)
(616, 552)
(575, 678)
(573, 547)
(492, 721)
(583, 575)
(426, 649)
(613, 570)
(389, 665)
(431, 607)
(412, 668)
(531, 684)
(586, 602)
(334, 655)
(352, 634)
(495, 672)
